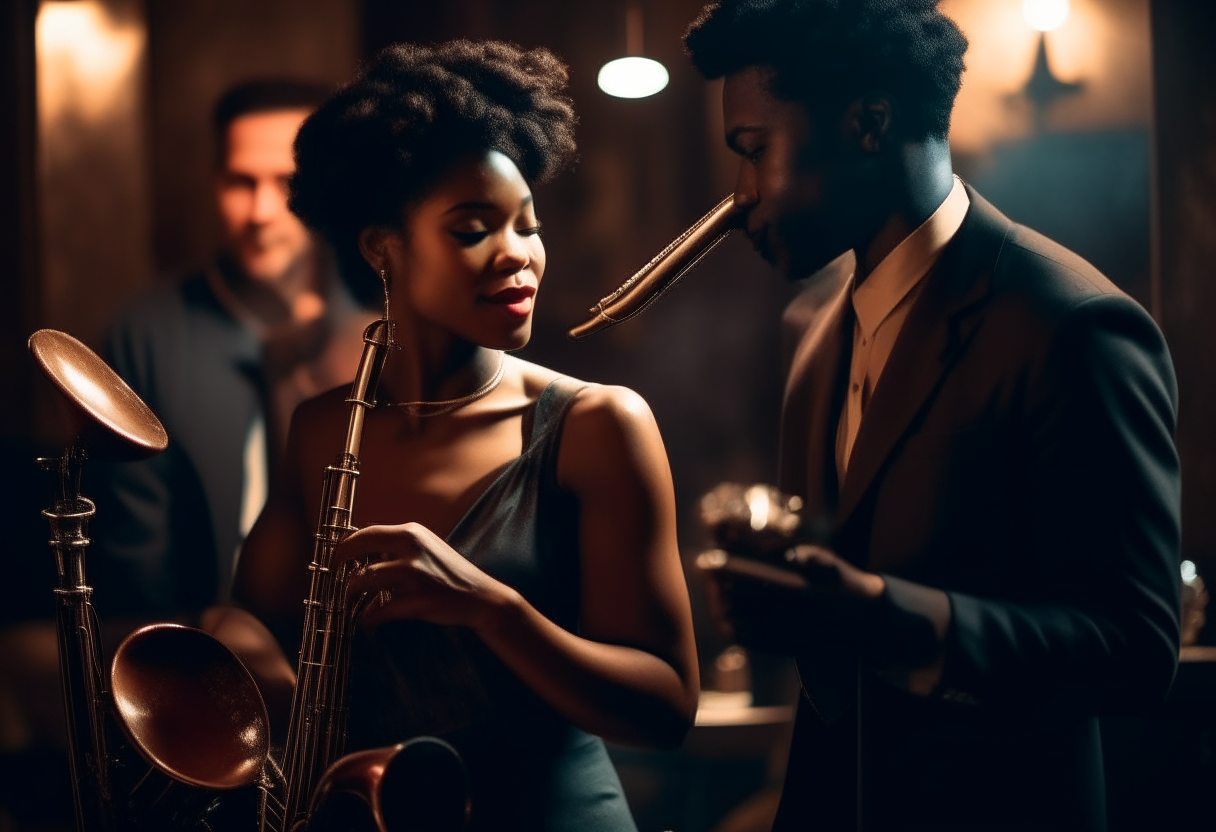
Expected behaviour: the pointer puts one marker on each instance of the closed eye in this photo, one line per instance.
(472, 238)
(469, 238)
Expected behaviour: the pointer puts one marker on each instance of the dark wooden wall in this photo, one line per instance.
(1184, 65)
(197, 50)
(18, 213)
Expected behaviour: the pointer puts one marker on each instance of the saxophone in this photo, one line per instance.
(418, 784)
(184, 701)
(316, 734)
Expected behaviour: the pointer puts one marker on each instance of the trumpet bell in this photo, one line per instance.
(415, 786)
(98, 398)
(190, 706)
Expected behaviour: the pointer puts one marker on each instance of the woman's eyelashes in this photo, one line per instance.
(469, 238)
(473, 237)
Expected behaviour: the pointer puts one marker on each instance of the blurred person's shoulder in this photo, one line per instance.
(179, 319)
(170, 302)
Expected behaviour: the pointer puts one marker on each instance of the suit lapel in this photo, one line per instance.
(935, 334)
(809, 405)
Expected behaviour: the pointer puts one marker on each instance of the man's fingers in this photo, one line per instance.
(817, 564)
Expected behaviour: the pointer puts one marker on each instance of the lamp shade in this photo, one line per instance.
(632, 77)
(1045, 15)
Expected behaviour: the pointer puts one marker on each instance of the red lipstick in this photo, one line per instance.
(515, 299)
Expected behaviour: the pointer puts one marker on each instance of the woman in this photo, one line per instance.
(533, 581)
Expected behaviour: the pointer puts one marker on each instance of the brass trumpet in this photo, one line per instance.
(183, 700)
(663, 271)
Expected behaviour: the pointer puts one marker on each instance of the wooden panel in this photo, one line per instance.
(1185, 90)
(92, 172)
(200, 48)
(18, 228)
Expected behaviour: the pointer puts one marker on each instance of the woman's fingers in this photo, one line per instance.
(373, 578)
(371, 540)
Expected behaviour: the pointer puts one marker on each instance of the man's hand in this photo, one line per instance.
(829, 573)
(818, 596)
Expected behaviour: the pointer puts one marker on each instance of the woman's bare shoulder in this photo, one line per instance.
(609, 433)
(592, 402)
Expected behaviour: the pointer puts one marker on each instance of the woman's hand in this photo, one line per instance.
(421, 577)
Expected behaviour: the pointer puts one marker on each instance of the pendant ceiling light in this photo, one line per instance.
(632, 76)
(1045, 15)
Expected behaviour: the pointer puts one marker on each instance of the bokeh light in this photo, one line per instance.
(1045, 15)
(632, 77)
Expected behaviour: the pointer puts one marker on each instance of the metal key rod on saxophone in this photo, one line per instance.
(317, 730)
(663, 271)
(80, 664)
(166, 680)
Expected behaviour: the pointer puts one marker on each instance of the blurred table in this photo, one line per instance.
(732, 752)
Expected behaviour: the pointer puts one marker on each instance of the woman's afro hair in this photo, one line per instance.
(827, 52)
(385, 140)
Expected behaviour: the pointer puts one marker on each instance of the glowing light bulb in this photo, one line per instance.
(1045, 15)
(632, 77)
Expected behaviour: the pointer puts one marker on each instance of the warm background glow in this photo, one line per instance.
(93, 156)
(85, 59)
(1104, 44)
(1045, 15)
(632, 77)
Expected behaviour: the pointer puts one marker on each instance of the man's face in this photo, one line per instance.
(792, 179)
(260, 234)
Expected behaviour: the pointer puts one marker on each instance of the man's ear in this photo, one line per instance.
(872, 114)
(375, 243)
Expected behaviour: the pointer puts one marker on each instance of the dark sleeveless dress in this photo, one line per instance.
(529, 768)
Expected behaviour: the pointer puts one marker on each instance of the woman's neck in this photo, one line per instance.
(435, 367)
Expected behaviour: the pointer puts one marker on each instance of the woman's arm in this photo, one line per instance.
(630, 674)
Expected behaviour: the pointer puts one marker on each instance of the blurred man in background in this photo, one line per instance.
(223, 357)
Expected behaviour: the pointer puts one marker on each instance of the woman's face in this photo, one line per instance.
(469, 258)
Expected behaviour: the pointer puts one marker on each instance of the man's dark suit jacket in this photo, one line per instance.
(168, 527)
(1018, 454)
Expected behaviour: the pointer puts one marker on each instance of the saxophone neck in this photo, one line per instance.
(377, 340)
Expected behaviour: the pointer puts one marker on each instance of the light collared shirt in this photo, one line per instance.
(881, 303)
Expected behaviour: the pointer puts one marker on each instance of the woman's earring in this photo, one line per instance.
(388, 318)
(384, 283)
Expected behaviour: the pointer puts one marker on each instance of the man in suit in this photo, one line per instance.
(979, 422)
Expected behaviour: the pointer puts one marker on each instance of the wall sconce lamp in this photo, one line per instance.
(1043, 87)
(632, 76)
